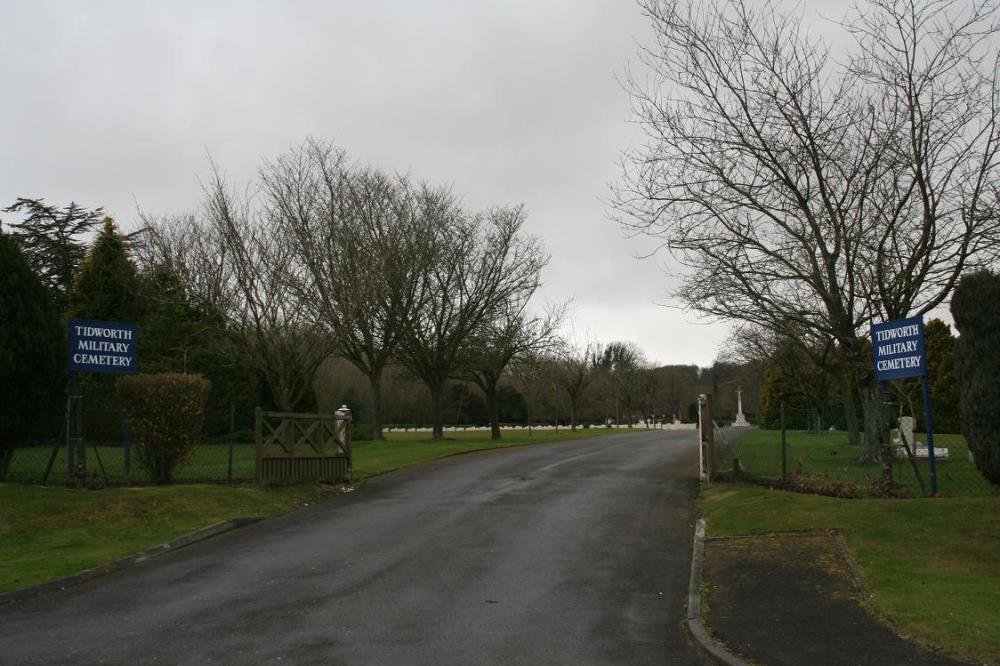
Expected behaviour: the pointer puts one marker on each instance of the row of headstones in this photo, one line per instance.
(657, 425)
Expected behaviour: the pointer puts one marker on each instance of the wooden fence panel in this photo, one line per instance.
(303, 447)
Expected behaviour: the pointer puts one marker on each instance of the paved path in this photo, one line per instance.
(573, 553)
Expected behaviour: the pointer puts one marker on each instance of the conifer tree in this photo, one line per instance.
(107, 287)
(31, 354)
(53, 241)
(977, 359)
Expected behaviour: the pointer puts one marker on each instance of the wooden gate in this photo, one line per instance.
(303, 447)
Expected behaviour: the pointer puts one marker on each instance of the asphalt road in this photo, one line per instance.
(574, 553)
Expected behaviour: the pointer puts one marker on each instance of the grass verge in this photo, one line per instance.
(50, 532)
(827, 456)
(932, 565)
(210, 462)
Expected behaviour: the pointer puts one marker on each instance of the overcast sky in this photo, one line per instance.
(116, 103)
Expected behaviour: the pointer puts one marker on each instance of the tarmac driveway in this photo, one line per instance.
(574, 553)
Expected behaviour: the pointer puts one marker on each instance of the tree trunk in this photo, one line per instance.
(493, 410)
(853, 369)
(874, 425)
(849, 389)
(437, 414)
(572, 415)
(375, 381)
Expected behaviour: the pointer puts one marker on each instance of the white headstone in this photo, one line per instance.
(906, 424)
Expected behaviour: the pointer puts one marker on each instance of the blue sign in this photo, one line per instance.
(898, 348)
(102, 346)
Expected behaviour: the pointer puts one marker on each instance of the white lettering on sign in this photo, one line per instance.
(899, 363)
(97, 359)
(908, 347)
(98, 346)
(902, 332)
(94, 332)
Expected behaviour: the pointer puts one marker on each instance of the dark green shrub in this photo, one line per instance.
(32, 355)
(361, 432)
(167, 413)
(977, 359)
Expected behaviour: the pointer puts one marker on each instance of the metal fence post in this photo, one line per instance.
(258, 427)
(707, 435)
(929, 421)
(784, 445)
(127, 436)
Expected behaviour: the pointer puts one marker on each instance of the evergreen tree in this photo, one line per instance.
(31, 354)
(52, 240)
(107, 289)
(940, 346)
(777, 388)
(978, 363)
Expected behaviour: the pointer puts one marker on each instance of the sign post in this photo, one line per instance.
(94, 346)
(899, 351)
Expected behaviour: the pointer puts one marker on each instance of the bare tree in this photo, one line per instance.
(184, 246)
(362, 238)
(575, 371)
(509, 335)
(808, 195)
(257, 265)
(624, 363)
(479, 263)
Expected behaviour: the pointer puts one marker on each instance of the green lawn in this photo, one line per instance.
(932, 565)
(828, 456)
(402, 449)
(211, 461)
(49, 532)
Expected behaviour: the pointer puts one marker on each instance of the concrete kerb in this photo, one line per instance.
(129, 560)
(697, 629)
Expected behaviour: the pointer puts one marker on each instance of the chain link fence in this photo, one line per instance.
(823, 460)
(112, 458)
(118, 465)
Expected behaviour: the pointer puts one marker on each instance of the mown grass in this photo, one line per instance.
(932, 565)
(210, 462)
(50, 532)
(829, 456)
(402, 449)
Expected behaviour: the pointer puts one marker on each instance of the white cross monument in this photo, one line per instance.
(741, 421)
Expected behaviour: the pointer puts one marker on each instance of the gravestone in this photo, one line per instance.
(905, 431)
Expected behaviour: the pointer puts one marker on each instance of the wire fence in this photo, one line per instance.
(118, 464)
(229, 458)
(824, 461)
